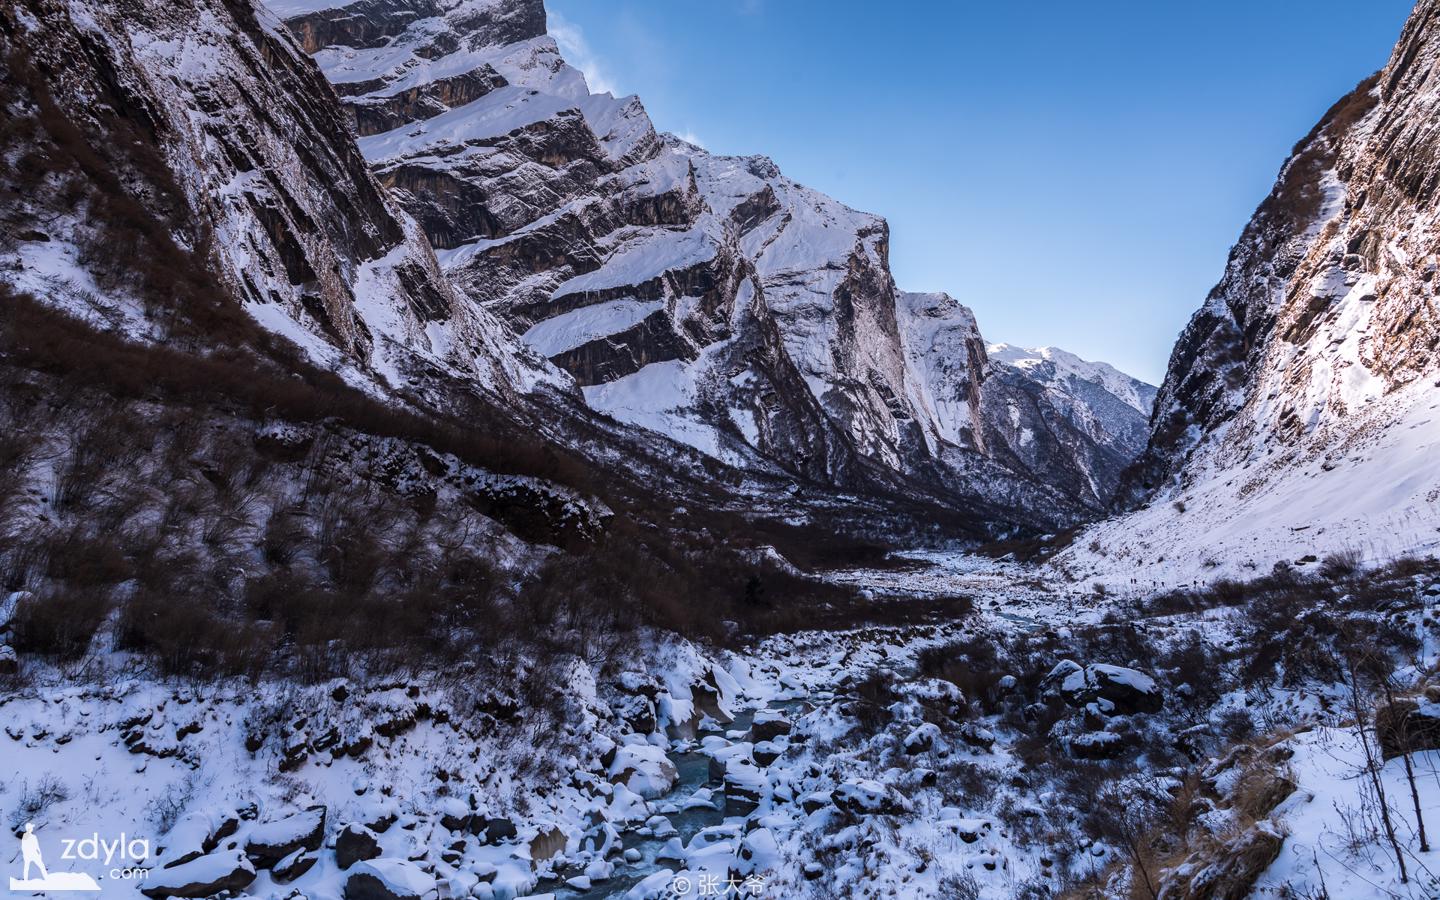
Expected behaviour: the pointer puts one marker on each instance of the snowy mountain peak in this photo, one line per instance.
(1052, 364)
(708, 298)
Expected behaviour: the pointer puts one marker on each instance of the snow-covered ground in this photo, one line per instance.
(1376, 496)
(791, 767)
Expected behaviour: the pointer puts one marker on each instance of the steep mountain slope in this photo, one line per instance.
(1092, 420)
(1300, 411)
(707, 298)
(273, 186)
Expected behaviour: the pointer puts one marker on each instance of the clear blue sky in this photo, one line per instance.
(1075, 172)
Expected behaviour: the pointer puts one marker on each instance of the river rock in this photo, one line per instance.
(768, 725)
(201, 877)
(388, 879)
(355, 843)
(273, 841)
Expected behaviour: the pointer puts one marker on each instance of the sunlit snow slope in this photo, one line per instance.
(1301, 411)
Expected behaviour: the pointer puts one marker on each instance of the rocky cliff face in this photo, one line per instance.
(1301, 398)
(273, 186)
(708, 298)
(1066, 418)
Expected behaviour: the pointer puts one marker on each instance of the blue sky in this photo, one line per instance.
(1075, 172)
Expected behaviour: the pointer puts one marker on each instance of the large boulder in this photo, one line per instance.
(273, 841)
(865, 797)
(1114, 689)
(201, 876)
(1097, 745)
(388, 879)
(745, 785)
(494, 831)
(355, 843)
(196, 834)
(922, 739)
(644, 769)
(767, 725)
(547, 843)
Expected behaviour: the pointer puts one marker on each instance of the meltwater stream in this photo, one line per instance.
(688, 819)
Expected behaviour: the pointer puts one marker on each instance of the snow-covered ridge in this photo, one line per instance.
(1054, 365)
(709, 298)
(1298, 416)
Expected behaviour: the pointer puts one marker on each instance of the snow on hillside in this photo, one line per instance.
(628, 257)
(1239, 513)
(1057, 367)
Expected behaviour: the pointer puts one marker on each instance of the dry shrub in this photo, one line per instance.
(59, 622)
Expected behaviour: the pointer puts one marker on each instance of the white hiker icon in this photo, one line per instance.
(60, 881)
(30, 849)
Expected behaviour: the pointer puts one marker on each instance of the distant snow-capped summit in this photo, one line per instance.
(1059, 367)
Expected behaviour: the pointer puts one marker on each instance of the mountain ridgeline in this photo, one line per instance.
(1302, 396)
(707, 298)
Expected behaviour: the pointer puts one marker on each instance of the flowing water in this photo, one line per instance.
(694, 773)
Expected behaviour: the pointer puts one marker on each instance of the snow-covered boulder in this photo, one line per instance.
(273, 841)
(977, 735)
(922, 739)
(355, 843)
(1096, 745)
(766, 752)
(494, 831)
(745, 785)
(196, 834)
(865, 797)
(293, 866)
(768, 725)
(644, 769)
(1113, 688)
(936, 694)
(759, 852)
(388, 879)
(201, 877)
